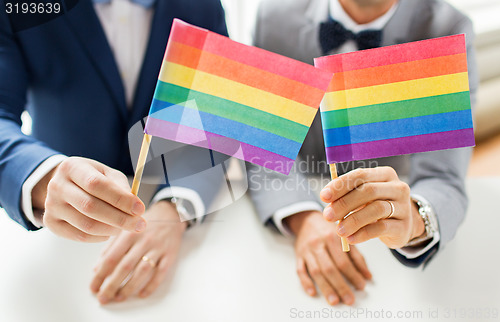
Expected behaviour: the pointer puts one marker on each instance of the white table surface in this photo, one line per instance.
(232, 269)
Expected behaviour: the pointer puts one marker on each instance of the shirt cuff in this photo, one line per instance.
(183, 194)
(290, 210)
(41, 171)
(415, 252)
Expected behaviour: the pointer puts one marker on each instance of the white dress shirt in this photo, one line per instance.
(338, 13)
(127, 26)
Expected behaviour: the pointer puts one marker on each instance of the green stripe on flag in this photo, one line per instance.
(228, 109)
(396, 110)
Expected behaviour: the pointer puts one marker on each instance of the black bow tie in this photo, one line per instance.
(332, 35)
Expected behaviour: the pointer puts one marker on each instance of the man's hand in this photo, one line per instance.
(365, 193)
(320, 259)
(86, 201)
(140, 259)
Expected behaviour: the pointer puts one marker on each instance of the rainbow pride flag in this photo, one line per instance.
(239, 100)
(397, 100)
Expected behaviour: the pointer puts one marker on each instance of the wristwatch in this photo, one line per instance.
(430, 221)
(185, 210)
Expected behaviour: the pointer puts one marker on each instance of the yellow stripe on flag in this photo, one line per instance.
(233, 91)
(394, 92)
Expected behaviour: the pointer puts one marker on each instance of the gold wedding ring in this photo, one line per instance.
(149, 261)
(392, 209)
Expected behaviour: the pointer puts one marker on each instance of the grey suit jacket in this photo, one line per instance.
(291, 28)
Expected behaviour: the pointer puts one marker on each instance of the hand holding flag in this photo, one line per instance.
(384, 102)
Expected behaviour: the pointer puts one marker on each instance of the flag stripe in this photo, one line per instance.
(396, 110)
(386, 74)
(227, 89)
(223, 67)
(406, 90)
(398, 128)
(256, 57)
(418, 50)
(399, 146)
(174, 94)
(221, 126)
(232, 147)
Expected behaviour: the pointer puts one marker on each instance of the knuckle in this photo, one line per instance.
(343, 265)
(328, 270)
(93, 182)
(127, 267)
(87, 225)
(341, 204)
(53, 186)
(88, 205)
(384, 226)
(110, 262)
(144, 268)
(315, 272)
(370, 189)
(354, 221)
(163, 266)
(119, 200)
(390, 172)
(122, 221)
(360, 173)
(314, 242)
(404, 188)
(66, 166)
(330, 237)
(381, 207)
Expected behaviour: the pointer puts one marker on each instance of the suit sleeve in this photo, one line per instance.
(440, 176)
(19, 154)
(201, 175)
(271, 191)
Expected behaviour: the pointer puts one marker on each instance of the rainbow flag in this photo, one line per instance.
(239, 100)
(397, 100)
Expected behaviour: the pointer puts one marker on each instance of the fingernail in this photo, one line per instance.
(120, 298)
(141, 225)
(310, 291)
(332, 299)
(103, 299)
(137, 209)
(350, 239)
(341, 229)
(328, 213)
(361, 285)
(326, 194)
(348, 299)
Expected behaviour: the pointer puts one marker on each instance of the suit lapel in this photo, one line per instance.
(398, 28)
(85, 24)
(160, 30)
(317, 11)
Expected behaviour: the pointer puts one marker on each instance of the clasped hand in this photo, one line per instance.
(361, 200)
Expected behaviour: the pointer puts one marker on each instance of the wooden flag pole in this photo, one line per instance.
(333, 174)
(143, 155)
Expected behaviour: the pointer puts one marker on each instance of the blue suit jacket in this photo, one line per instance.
(64, 73)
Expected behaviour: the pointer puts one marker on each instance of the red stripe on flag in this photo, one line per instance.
(252, 56)
(396, 54)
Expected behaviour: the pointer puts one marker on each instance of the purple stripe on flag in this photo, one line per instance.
(208, 140)
(398, 146)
